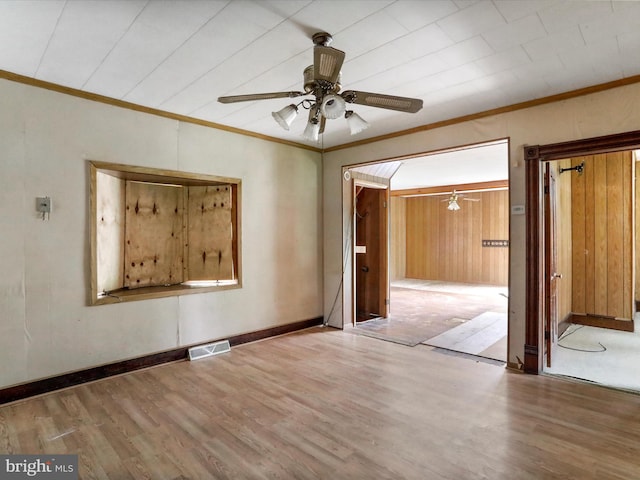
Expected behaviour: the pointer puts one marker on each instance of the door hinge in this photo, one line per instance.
(546, 189)
(387, 301)
(384, 204)
(547, 334)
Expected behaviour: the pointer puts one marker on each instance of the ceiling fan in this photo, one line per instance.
(322, 82)
(453, 200)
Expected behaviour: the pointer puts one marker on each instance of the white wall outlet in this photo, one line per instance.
(43, 204)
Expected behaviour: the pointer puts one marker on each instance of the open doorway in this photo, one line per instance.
(448, 250)
(590, 227)
(593, 210)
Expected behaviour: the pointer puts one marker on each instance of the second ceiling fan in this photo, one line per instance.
(452, 201)
(322, 82)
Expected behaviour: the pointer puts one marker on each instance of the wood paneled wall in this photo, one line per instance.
(563, 239)
(447, 245)
(398, 247)
(636, 167)
(603, 235)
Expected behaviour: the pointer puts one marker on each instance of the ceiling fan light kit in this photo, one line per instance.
(286, 116)
(333, 106)
(355, 122)
(322, 81)
(453, 205)
(452, 201)
(312, 130)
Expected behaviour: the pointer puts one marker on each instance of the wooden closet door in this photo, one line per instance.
(602, 232)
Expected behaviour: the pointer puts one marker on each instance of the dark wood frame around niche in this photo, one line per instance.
(535, 156)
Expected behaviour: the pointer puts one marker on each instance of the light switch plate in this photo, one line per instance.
(517, 210)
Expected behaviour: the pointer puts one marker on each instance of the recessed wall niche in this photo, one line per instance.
(158, 233)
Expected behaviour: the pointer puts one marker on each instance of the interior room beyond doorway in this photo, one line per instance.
(448, 251)
(466, 318)
(594, 252)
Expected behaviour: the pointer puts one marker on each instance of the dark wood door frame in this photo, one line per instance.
(550, 262)
(536, 296)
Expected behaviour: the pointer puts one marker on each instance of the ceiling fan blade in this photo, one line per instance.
(391, 102)
(259, 96)
(327, 62)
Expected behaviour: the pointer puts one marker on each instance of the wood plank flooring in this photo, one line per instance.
(324, 404)
(474, 336)
(425, 311)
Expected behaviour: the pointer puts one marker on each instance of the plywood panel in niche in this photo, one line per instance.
(210, 237)
(153, 234)
(110, 232)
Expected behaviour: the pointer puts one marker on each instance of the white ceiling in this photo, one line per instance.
(479, 163)
(459, 56)
(484, 163)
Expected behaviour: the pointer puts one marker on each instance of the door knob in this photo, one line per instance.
(365, 269)
(557, 275)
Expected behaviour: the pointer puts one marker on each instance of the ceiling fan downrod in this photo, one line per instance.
(322, 39)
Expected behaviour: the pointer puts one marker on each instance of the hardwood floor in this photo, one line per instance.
(325, 404)
(421, 311)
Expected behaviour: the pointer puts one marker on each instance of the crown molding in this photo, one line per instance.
(442, 189)
(94, 97)
(14, 77)
(495, 111)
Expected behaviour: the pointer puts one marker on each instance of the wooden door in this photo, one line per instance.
(551, 262)
(371, 245)
(602, 236)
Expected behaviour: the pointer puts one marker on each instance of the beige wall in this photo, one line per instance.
(46, 327)
(612, 111)
(293, 241)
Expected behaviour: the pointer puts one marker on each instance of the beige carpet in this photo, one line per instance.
(599, 355)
